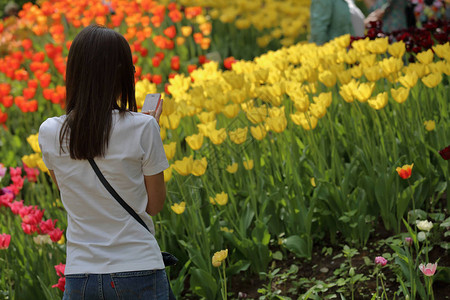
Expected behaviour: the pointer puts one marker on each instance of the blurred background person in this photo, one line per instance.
(11, 9)
(333, 18)
(392, 13)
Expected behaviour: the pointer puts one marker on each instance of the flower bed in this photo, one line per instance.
(269, 156)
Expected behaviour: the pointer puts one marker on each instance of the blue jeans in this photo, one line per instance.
(151, 285)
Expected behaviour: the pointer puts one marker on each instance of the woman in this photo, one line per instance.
(333, 18)
(109, 254)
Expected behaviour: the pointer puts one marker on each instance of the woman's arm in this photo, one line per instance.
(156, 193)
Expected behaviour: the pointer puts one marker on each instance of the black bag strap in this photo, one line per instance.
(115, 195)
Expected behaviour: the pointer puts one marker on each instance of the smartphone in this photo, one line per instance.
(153, 102)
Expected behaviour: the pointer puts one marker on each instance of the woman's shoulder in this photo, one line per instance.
(138, 118)
(52, 123)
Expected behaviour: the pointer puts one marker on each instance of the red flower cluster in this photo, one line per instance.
(31, 215)
(60, 269)
(416, 39)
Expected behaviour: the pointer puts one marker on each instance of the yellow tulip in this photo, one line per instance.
(31, 160)
(306, 120)
(205, 129)
(199, 167)
(400, 95)
(257, 114)
(357, 71)
(442, 51)
(378, 46)
(425, 57)
(420, 69)
(343, 41)
(361, 45)
(368, 60)
(242, 23)
(206, 117)
(432, 80)
(170, 150)
(171, 122)
(446, 67)
(232, 168)
(186, 30)
(219, 257)
(277, 124)
(301, 103)
(34, 143)
(239, 135)
(379, 102)
(179, 208)
(391, 65)
(167, 174)
(41, 165)
(258, 132)
(373, 73)
(195, 141)
(218, 136)
(180, 40)
(429, 125)
(351, 57)
(184, 166)
(163, 133)
(397, 49)
(248, 164)
(142, 88)
(409, 80)
(220, 199)
(231, 111)
(318, 110)
(327, 78)
(364, 91)
(346, 91)
(344, 76)
(324, 98)
(437, 67)
(263, 41)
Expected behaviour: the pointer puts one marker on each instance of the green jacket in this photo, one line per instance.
(329, 19)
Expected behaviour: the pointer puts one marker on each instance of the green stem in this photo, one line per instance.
(224, 283)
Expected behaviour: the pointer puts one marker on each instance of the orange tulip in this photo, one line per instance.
(405, 171)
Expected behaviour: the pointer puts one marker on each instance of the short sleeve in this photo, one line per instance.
(154, 160)
(44, 144)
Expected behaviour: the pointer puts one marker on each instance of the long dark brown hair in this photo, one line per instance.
(99, 78)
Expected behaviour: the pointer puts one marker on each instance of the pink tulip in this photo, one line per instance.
(5, 239)
(408, 241)
(380, 260)
(429, 269)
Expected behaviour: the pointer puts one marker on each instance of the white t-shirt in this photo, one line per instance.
(102, 237)
(357, 18)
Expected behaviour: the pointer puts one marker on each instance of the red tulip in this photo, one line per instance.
(5, 239)
(228, 62)
(156, 61)
(175, 63)
(170, 32)
(445, 153)
(191, 68)
(156, 79)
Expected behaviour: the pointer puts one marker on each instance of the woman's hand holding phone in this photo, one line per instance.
(153, 105)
